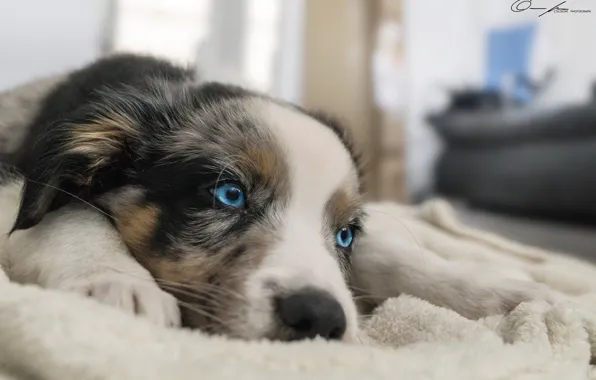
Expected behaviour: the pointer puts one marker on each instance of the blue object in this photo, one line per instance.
(344, 237)
(508, 54)
(229, 194)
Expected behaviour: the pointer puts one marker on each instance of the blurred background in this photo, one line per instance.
(488, 103)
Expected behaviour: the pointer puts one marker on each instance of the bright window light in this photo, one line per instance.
(172, 29)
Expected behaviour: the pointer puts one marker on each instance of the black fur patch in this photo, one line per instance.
(118, 122)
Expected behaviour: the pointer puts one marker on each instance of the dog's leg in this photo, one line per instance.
(76, 249)
(385, 266)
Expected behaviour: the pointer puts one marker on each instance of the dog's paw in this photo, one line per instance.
(138, 297)
(503, 297)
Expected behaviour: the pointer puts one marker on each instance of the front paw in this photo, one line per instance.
(501, 298)
(138, 297)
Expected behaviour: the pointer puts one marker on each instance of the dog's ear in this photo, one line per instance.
(69, 160)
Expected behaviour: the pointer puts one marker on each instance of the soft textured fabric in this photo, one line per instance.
(50, 335)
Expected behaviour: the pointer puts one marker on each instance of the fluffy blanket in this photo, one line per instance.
(45, 334)
(51, 335)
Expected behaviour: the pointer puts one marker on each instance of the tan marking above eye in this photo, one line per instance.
(266, 162)
(342, 206)
(136, 225)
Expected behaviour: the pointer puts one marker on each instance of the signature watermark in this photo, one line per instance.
(526, 5)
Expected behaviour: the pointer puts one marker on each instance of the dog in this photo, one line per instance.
(214, 207)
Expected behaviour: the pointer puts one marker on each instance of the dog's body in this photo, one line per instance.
(244, 208)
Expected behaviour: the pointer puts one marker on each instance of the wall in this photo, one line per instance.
(41, 37)
(442, 49)
(445, 48)
(571, 39)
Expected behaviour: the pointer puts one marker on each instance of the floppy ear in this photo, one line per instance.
(69, 160)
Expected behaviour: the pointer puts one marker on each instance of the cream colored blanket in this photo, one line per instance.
(49, 335)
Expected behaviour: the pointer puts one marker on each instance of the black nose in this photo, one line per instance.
(311, 312)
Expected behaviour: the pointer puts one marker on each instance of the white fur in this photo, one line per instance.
(319, 166)
(384, 265)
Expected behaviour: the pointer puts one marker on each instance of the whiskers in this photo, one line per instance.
(69, 194)
(362, 293)
(201, 300)
(404, 226)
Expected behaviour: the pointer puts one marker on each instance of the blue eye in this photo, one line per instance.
(229, 194)
(345, 236)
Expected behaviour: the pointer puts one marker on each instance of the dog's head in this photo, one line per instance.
(244, 208)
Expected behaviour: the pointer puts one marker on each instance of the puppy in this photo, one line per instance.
(149, 191)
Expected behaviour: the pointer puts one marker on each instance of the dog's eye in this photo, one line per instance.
(229, 194)
(345, 236)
